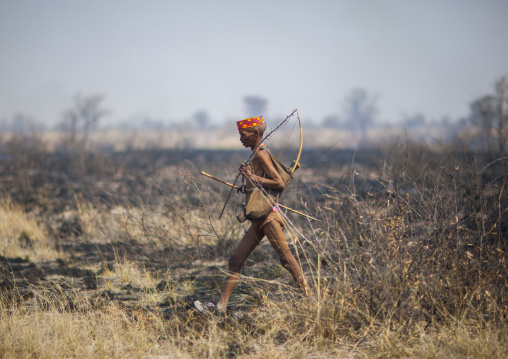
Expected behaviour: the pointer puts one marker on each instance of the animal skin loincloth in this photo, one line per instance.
(274, 215)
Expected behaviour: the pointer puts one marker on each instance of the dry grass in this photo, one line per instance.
(409, 262)
(51, 333)
(22, 235)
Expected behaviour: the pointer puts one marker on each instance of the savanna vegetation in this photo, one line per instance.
(102, 254)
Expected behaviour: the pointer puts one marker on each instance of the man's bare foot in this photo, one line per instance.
(221, 308)
(306, 291)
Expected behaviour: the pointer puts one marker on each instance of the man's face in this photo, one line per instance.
(248, 138)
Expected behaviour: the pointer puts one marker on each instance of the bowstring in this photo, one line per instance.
(281, 153)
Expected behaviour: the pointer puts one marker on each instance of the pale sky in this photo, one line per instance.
(168, 59)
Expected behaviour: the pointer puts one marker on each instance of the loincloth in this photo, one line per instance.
(274, 215)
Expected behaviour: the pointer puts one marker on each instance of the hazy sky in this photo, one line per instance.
(168, 59)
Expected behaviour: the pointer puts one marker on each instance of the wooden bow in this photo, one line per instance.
(296, 163)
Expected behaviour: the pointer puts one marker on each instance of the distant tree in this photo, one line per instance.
(255, 105)
(151, 124)
(24, 141)
(332, 121)
(360, 109)
(82, 117)
(201, 119)
(489, 114)
(70, 125)
(23, 125)
(414, 121)
(501, 87)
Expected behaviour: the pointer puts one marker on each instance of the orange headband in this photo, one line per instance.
(250, 122)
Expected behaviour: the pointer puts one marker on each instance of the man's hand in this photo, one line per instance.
(246, 171)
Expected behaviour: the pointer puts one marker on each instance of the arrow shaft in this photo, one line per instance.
(218, 180)
(278, 204)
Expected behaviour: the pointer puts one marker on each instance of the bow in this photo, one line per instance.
(296, 162)
(294, 165)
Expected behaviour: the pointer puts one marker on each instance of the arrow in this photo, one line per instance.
(277, 204)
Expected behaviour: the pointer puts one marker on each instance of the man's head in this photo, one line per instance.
(251, 130)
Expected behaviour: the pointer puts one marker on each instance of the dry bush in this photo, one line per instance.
(22, 235)
(410, 261)
(178, 218)
(422, 254)
(53, 333)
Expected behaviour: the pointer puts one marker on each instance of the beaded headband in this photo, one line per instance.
(250, 122)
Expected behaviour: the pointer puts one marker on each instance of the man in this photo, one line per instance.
(260, 172)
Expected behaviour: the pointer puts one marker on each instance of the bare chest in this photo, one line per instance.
(257, 167)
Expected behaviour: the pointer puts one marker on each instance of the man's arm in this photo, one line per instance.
(273, 180)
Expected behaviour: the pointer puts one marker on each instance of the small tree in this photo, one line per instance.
(360, 110)
(501, 87)
(24, 126)
(482, 117)
(82, 117)
(489, 113)
(255, 105)
(332, 121)
(201, 119)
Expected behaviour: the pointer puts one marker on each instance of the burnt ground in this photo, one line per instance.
(92, 271)
(89, 273)
(48, 187)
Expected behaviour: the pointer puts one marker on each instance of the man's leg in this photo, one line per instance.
(249, 241)
(273, 231)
